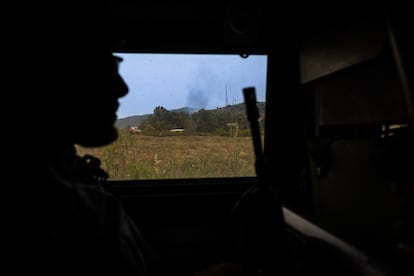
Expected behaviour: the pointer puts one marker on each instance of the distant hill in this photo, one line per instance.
(135, 120)
(188, 110)
(130, 121)
(241, 107)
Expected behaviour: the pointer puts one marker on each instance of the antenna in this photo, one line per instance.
(227, 99)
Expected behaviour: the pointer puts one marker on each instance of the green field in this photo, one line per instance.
(150, 157)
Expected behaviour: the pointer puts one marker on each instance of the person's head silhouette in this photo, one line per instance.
(64, 80)
(60, 89)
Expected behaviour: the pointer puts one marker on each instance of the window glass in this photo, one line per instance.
(184, 117)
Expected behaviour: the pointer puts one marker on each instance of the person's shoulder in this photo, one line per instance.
(91, 228)
(93, 196)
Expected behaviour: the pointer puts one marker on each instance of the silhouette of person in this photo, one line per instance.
(63, 87)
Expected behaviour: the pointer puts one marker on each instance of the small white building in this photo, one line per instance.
(177, 130)
(134, 129)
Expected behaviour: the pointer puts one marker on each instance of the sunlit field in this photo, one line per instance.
(136, 156)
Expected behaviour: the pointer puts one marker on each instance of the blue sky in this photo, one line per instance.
(177, 80)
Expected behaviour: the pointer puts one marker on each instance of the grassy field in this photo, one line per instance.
(149, 157)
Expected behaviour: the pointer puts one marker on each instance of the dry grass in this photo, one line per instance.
(148, 157)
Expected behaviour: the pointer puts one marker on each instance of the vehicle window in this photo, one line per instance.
(184, 117)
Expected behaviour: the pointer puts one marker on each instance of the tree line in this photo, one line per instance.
(229, 120)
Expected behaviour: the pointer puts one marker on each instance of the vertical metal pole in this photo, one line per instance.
(402, 71)
(249, 94)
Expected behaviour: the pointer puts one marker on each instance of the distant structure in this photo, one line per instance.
(177, 130)
(134, 130)
(234, 129)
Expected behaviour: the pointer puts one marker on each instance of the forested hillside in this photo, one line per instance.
(220, 121)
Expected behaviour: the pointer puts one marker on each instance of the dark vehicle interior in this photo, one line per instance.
(333, 192)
